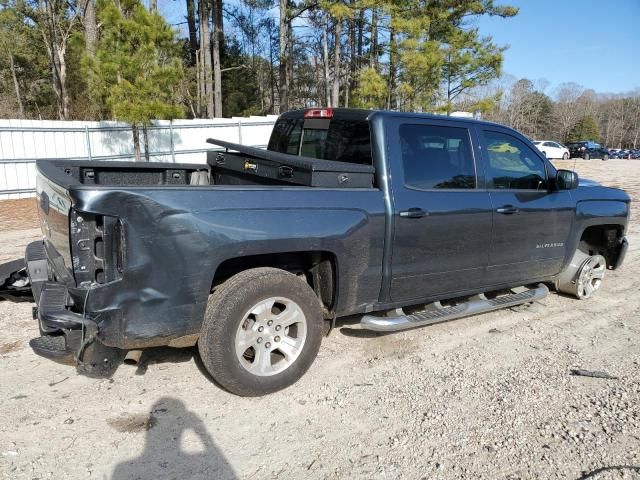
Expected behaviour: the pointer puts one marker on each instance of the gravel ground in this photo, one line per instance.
(480, 398)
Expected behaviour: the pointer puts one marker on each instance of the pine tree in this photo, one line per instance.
(137, 66)
(585, 129)
(371, 91)
(469, 61)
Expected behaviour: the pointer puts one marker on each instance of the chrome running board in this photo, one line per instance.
(435, 312)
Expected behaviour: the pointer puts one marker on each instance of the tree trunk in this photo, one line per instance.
(90, 28)
(193, 37)
(335, 101)
(360, 36)
(391, 85)
(449, 91)
(352, 60)
(218, 40)
(284, 35)
(325, 60)
(199, 84)
(145, 136)
(62, 80)
(56, 49)
(136, 141)
(373, 60)
(272, 79)
(205, 48)
(16, 85)
(55, 39)
(289, 65)
(153, 5)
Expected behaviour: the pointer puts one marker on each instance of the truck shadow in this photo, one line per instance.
(160, 355)
(177, 445)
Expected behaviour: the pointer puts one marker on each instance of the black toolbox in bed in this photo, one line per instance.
(281, 168)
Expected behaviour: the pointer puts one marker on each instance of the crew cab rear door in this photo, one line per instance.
(531, 221)
(441, 210)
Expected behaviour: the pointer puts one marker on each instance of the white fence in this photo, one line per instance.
(22, 142)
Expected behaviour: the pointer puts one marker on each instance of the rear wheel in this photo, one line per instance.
(583, 276)
(605, 157)
(586, 156)
(565, 156)
(261, 332)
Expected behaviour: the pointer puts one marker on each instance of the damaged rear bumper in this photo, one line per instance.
(66, 336)
(96, 324)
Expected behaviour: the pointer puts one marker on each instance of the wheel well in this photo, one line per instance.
(602, 239)
(317, 268)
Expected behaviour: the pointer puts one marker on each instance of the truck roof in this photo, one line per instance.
(366, 114)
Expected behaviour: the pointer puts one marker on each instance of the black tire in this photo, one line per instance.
(565, 156)
(605, 158)
(227, 307)
(586, 156)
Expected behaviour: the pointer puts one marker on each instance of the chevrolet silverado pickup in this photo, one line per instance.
(405, 219)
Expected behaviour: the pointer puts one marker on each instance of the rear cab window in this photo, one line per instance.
(338, 139)
(286, 136)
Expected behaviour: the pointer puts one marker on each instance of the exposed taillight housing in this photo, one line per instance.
(97, 248)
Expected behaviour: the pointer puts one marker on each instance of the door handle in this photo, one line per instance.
(507, 210)
(414, 213)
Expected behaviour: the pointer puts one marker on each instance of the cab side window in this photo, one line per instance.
(513, 165)
(437, 157)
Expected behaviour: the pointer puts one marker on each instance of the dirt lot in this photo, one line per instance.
(483, 397)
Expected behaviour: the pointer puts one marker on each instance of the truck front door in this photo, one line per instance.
(442, 212)
(531, 221)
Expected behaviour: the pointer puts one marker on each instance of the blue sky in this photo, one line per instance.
(595, 43)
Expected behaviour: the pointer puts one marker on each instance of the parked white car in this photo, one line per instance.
(552, 149)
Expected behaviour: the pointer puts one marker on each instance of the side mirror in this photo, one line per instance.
(566, 180)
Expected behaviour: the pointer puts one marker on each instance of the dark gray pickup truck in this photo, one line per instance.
(409, 219)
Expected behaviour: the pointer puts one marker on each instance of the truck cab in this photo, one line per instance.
(471, 205)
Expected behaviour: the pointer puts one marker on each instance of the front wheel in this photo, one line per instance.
(605, 157)
(261, 332)
(565, 156)
(583, 277)
(586, 156)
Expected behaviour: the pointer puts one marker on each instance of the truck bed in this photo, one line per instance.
(69, 173)
(237, 165)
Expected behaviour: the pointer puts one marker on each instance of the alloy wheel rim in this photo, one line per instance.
(591, 275)
(271, 336)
